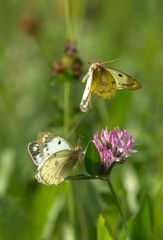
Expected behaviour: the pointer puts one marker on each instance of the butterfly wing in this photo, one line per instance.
(54, 157)
(103, 83)
(49, 144)
(56, 168)
(46, 145)
(123, 80)
(87, 92)
(85, 79)
(34, 151)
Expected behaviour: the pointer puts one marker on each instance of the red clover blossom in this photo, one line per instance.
(114, 146)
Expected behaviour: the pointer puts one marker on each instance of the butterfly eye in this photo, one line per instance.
(120, 75)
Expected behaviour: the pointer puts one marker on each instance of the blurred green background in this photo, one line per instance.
(32, 38)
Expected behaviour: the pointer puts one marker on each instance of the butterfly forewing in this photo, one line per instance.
(34, 151)
(50, 143)
(123, 80)
(85, 79)
(87, 93)
(56, 144)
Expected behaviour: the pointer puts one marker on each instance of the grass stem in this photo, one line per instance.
(119, 208)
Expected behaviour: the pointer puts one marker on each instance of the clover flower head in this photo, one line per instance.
(113, 146)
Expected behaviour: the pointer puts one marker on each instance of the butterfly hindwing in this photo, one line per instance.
(103, 83)
(56, 168)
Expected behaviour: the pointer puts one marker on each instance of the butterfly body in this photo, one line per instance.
(54, 157)
(104, 82)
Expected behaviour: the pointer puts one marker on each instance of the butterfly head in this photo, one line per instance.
(78, 154)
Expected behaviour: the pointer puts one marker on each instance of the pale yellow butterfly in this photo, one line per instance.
(54, 157)
(104, 82)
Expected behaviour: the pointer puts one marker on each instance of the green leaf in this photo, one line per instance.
(92, 159)
(102, 231)
(158, 217)
(142, 226)
(79, 177)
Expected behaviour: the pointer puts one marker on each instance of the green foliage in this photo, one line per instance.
(92, 159)
(33, 34)
(13, 221)
(143, 224)
(102, 231)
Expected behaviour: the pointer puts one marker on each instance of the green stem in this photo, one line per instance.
(67, 114)
(70, 203)
(81, 177)
(68, 19)
(67, 106)
(119, 208)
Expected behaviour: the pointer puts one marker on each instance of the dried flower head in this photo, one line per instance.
(70, 48)
(70, 63)
(114, 147)
(29, 24)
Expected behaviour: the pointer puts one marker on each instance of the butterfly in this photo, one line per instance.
(54, 157)
(104, 82)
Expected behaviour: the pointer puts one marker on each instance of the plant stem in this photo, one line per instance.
(68, 19)
(67, 84)
(70, 204)
(67, 106)
(119, 208)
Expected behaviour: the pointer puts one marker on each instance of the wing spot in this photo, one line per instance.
(104, 83)
(120, 75)
(56, 163)
(59, 142)
(35, 148)
(35, 153)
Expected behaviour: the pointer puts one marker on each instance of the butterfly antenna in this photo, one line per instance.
(97, 61)
(79, 140)
(94, 61)
(111, 61)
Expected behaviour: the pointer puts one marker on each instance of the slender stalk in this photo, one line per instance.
(70, 204)
(67, 114)
(68, 19)
(119, 208)
(67, 84)
(67, 106)
(79, 17)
